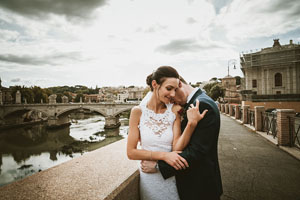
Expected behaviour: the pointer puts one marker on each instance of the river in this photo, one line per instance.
(28, 150)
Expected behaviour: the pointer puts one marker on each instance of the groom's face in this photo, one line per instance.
(180, 97)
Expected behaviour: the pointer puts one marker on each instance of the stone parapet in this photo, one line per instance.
(105, 173)
(245, 114)
(226, 108)
(258, 117)
(237, 112)
(285, 133)
(223, 108)
(231, 110)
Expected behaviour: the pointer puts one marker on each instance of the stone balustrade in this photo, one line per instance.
(284, 126)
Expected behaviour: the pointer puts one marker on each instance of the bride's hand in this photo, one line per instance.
(193, 114)
(148, 166)
(175, 160)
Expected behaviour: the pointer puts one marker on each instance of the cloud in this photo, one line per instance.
(191, 20)
(184, 45)
(290, 7)
(243, 19)
(53, 59)
(15, 80)
(152, 29)
(219, 4)
(7, 35)
(43, 8)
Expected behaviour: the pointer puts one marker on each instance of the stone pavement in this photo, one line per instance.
(253, 168)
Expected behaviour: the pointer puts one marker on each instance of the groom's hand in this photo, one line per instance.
(193, 114)
(175, 160)
(148, 166)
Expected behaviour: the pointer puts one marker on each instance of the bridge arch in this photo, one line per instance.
(25, 110)
(120, 111)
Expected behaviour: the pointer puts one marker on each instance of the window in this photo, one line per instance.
(254, 83)
(278, 92)
(278, 79)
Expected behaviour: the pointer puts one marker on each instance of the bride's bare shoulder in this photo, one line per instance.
(136, 111)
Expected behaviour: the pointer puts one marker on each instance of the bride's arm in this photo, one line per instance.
(181, 140)
(133, 153)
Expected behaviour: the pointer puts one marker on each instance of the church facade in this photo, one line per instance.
(272, 76)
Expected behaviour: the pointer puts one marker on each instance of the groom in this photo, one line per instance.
(202, 179)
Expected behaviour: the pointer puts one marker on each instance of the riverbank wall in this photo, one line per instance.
(105, 173)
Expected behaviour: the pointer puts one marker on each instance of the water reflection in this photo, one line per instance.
(25, 151)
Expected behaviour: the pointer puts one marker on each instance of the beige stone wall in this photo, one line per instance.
(103, 174)
(278, 105)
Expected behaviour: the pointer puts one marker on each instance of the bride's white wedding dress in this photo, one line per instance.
(157, 135)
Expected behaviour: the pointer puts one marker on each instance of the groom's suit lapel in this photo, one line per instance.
(197, 93)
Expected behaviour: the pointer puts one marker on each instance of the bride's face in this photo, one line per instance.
(166, 91)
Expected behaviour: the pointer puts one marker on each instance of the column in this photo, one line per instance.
(226, 108)
(245, 114)
(222, 108)
(285, 132)
(18, 97)
(112, 122)
(230, 109)
(237, 112)
(52, 99)
(258, 111)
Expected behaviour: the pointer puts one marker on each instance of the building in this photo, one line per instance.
(5, 95)
(95, 98)
(272, 76)
(136, 93)
(231, 90)
(122, 97)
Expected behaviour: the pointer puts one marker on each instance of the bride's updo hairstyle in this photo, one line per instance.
(161, 74)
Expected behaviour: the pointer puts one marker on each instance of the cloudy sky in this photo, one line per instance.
(119, 42)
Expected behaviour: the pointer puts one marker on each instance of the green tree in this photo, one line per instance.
(238, 80)
(59, 97)
(39, 94)
(77, 98)
(214, 90)
(217, 91)
(26, 93)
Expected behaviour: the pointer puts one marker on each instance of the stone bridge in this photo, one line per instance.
(57, 113)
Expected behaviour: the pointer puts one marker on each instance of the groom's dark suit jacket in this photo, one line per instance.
(202, 180)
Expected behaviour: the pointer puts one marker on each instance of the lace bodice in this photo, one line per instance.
(156, 129)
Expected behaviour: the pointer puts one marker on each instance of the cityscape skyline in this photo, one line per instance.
(113, 43)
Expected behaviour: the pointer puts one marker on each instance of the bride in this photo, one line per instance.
(156, 124)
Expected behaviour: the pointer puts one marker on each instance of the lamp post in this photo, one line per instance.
(231, 61)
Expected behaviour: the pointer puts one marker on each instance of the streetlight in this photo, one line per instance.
(231, 61)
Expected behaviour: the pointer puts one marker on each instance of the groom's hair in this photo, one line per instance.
(161, 74)
(182, 80)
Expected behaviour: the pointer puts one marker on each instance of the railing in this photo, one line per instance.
(269, 123)
(296, 139)
(233, 110)
(251, 117)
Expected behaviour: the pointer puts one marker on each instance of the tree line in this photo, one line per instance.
(36, 94)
